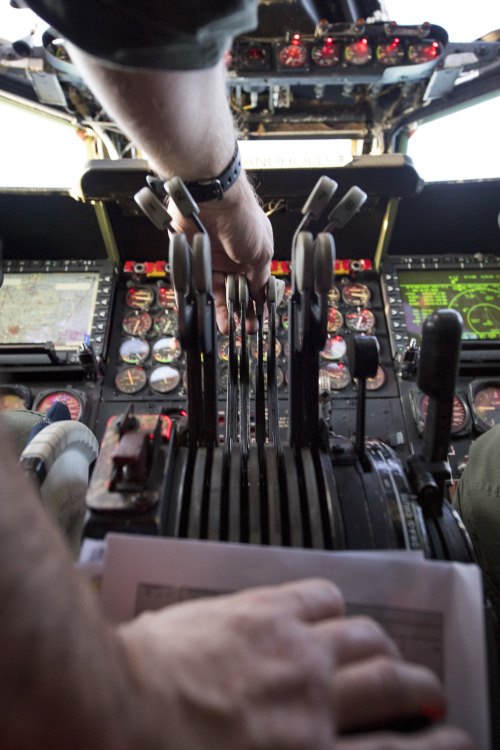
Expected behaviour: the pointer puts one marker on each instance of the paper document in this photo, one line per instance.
(433, 610)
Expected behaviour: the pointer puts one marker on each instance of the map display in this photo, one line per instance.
(37, 308)
(475, 294)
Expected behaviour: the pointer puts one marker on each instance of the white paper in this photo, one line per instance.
(434, 610)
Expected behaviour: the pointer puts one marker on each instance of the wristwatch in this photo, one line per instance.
(213, 190)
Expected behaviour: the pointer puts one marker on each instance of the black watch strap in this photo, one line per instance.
(213, 190)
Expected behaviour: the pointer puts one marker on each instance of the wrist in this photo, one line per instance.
(204, 191)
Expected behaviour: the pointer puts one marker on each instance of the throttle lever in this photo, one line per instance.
(363, 358)
(437, 374)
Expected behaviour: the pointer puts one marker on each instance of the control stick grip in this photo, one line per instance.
(437, 374)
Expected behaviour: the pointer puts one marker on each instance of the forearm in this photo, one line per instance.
(61, 670)
(181, 121)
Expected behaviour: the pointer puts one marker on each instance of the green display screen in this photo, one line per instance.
(474, 293)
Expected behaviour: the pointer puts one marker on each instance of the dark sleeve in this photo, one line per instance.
(175, 35)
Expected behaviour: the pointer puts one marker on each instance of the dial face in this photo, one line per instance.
(134, 351)
(486, 405)
(166, 324)
(391, 53)
(167, 349)
(130, 380)
(335, 320)
(293, 55)
(166, 298)
(333, 296)
(164, 379)
(356, 294)
(140, 297)
(335, 348)
(358, 53)
(223, 348)
(423, 52)
(459, 413)
(326, 54)
(11, 402)
(373, 384)
(480, 309)
(280, 378)
(137, 323)
(265, 348)
(339, 374)
(360, 320)
(72, 401)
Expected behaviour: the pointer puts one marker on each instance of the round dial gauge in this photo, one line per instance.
(167, 349)
(265, 348)
(223, 348)
(423, 52)
(335, 348)
(486, 405)
(15, 398)
(164, 379)
(72, 401)
(391, 53)
(137, 323)
(373, 384)
(326, 54)
(280, 378)
(458, 417)
(284, 321)
(130, 380)
(166, 324)
(335, 319)
(222, 378)
(356, 294)
(134, 351)
(360, 320)
(293, 55)
(140, 297)
(333, 296)
(166, 298)
(339, 374)
(358, 53)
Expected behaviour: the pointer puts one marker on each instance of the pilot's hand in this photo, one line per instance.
(241, 238)
(275, 668)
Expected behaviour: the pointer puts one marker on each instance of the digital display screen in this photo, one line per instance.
(39, 307)
(474, 293)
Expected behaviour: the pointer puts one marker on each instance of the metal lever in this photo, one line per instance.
(437, 373)
(232, 376)
(243, 295)
(313, 273)
(363, 358)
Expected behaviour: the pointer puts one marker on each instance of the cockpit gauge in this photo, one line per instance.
(137, 322)
(326, 53)
(484, 396)
(265, 348)
(293, 55)
(130, 380)
(73, 401)
(391, 53)
(356, 294)
(165, 298)
(335, 320)
(223, 348)
(360, 320)
(140, 297)
(167, 349)
(460, 418)
(333, 296)
(339, 374)
(358, 53)
(134, 351)
(424, 52)
(165, 324)
(280, 378)
(335, 347)
(284, 321)
(15, 398)
(373, 384)
(164, 379)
